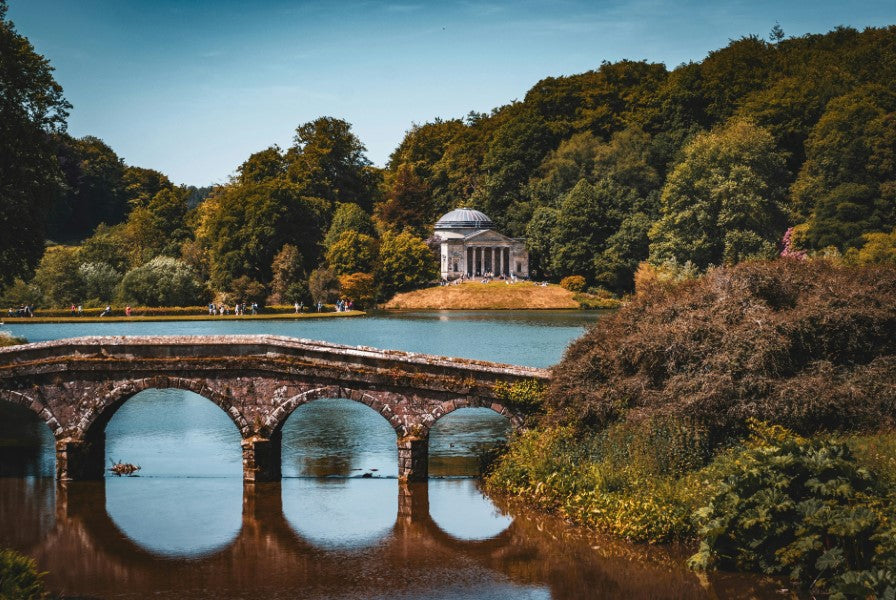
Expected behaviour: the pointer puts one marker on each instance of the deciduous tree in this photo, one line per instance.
(352, 252)
(722, 202)
(31, 109)
(405, 262)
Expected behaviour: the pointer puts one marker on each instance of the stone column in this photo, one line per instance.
(80, 460)
(261, 458)
(413, 458)
(500, 270)
(479, 260)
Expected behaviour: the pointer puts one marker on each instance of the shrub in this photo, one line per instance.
(573, 283)
(630, 480)
(806, 344)
(525, 395)
(19, 578)
(163, 281)
(799, 507)
(7, 339)
(591, 302)
(650, 279)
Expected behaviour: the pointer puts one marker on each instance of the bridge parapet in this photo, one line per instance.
(76, 385)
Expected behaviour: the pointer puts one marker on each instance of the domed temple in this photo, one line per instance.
(472, 248)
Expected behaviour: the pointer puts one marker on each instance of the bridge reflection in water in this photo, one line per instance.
(275, 549)
(177, 534)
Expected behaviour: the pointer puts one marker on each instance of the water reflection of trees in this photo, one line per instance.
(86, 553)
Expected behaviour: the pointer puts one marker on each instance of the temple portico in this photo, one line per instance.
(470, 247)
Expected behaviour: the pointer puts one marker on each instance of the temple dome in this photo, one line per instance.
(464, 218)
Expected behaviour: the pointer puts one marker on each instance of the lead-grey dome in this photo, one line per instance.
(464, 218)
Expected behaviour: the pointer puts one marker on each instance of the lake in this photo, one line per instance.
(340, 524)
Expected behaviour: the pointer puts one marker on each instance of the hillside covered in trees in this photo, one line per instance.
(708, 163)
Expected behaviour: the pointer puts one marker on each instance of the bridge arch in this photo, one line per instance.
(446, 408)
(277, 419)
(35, 405)
(95, 420)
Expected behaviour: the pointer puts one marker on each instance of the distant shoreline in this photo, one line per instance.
(149, 318)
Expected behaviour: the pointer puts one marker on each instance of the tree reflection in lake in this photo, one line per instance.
(272, 555)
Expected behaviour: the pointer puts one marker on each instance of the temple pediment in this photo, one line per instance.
(488, 236)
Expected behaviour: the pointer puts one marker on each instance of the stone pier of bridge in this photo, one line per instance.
(77, 385)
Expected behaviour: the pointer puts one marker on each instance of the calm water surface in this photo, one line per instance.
(340, 524)
(532, 338)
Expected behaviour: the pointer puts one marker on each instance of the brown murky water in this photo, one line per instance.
(440, 543)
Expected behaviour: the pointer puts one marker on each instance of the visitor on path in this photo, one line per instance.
(127, 311)
(296, 305)
(106, 312)
(80, 310)
(73, 310)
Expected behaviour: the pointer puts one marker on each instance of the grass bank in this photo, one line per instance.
(496, 295)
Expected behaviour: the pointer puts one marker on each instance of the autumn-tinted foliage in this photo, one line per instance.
(805, 344)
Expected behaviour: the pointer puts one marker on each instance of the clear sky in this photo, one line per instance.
(193, 87)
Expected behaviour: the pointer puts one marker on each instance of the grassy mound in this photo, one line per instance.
(496, 295)
(805, 344)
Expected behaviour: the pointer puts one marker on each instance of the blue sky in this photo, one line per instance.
(191, 88)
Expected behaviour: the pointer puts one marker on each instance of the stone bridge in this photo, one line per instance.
(76, 386)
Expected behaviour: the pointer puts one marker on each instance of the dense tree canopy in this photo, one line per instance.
(327, 161)
(707, 163)
(94, 188)
(722, 202)
(31, 109)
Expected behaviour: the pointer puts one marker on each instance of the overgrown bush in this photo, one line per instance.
(631, 480)
(805, 344)
(591, 302)
(573, 283)
(19, 578)
(525, 395)
(799, 507)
